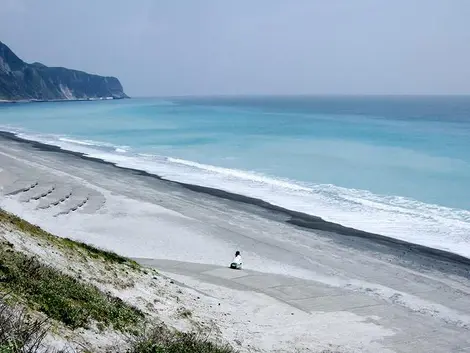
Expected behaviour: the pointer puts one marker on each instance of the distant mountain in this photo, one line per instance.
(23, 81)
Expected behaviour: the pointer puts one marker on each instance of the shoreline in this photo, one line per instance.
(295, 218)
(20, 101)
(298, 285)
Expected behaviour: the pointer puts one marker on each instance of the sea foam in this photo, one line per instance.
(394, 216)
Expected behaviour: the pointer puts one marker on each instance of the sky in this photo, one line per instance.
(222, 47)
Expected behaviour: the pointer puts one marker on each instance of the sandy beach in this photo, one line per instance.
(306, 284)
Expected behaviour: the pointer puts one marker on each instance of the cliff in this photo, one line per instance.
(20, 80)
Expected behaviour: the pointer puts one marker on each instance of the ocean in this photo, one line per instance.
(396, 166)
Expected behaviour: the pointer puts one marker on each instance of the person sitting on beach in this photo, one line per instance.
(237, 261)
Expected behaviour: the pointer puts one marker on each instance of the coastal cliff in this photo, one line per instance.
(22, 81)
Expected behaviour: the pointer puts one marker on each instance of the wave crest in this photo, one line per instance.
(394, 216)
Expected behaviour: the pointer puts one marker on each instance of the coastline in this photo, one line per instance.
(19, 101)
(298, 285)
(292, 217)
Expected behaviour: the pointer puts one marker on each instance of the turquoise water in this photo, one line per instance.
(398, 166)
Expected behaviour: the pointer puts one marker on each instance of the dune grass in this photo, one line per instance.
(19, 333)
(35, 231)
(74, 303)
(60, 296)
(162, 340)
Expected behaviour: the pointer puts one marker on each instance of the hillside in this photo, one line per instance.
(22, 81)
(62, 296)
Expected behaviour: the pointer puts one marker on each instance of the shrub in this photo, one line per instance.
(19, 333)
(162, 340)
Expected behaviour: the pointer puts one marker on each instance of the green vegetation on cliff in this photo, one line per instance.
(20, 80)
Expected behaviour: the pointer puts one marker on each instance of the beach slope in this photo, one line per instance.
(301, 287)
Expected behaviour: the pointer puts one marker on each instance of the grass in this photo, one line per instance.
(60, 296)
(184, 313)
(19, 333)
(92, 251)
(162, 340)
(76, 304)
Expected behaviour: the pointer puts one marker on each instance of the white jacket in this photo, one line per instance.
(237, 260)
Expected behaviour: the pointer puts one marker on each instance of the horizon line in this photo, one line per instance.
(247, 95)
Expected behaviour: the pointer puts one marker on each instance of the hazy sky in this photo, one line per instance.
(179, 47)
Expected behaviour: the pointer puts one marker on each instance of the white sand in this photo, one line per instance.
(424, 302)
(248, 321)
